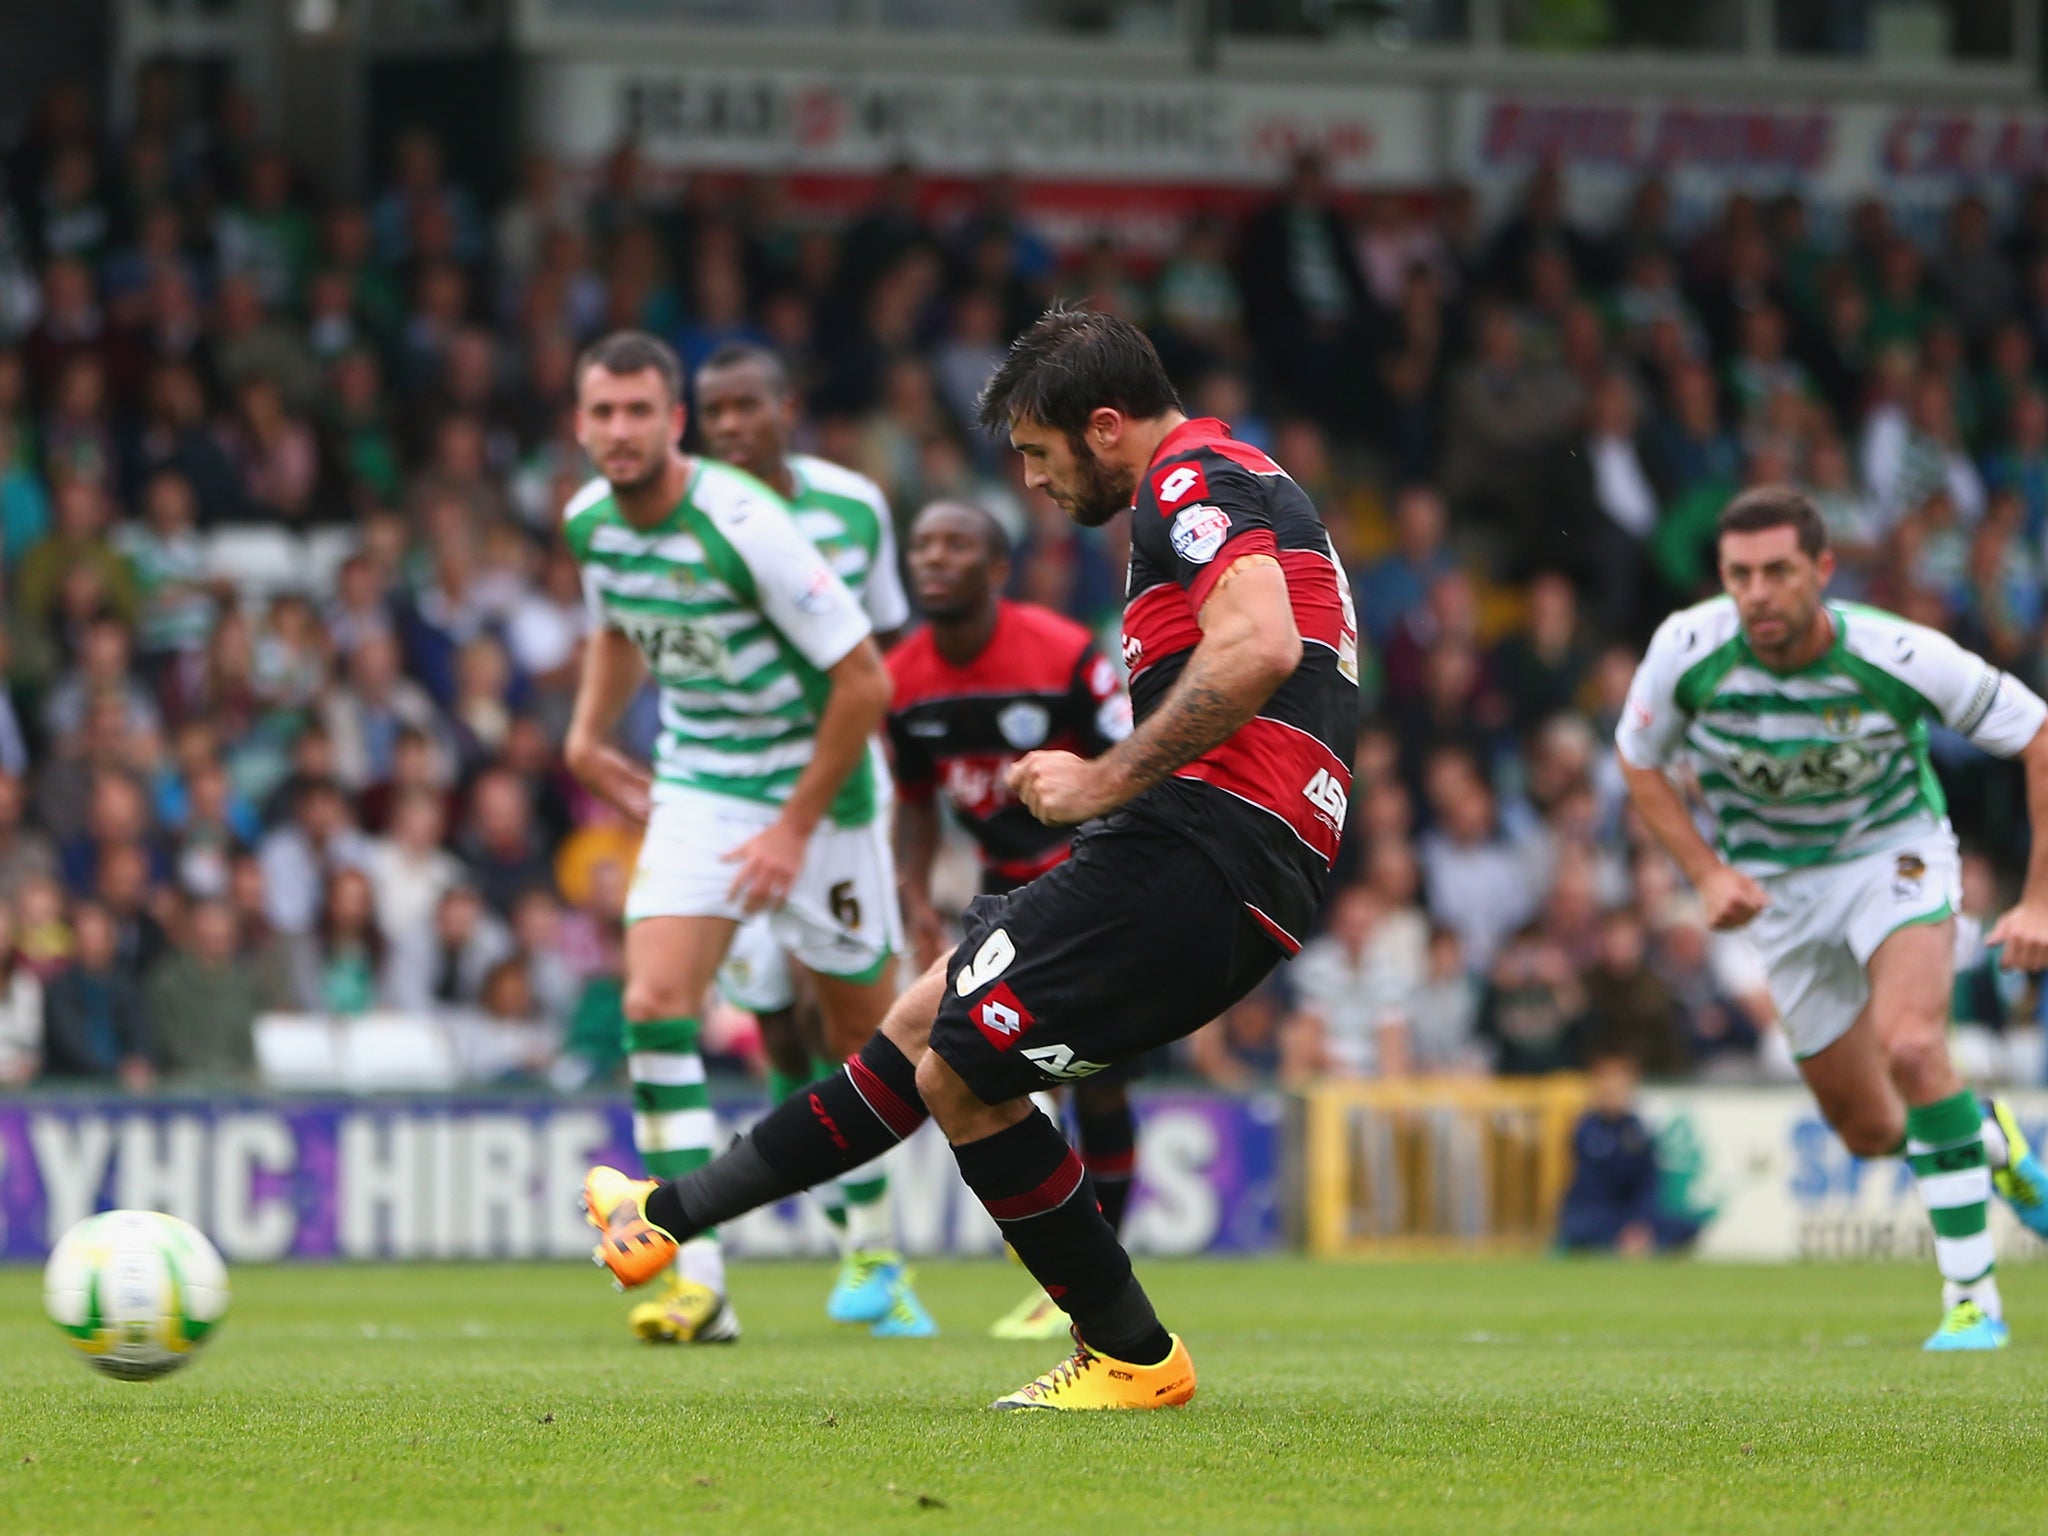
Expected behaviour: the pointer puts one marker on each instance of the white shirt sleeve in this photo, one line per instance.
(794, 587)
(1652, 726)
(1994, 709)
(887, 604)
(593, 604)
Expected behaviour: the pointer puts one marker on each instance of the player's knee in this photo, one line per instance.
(1871, 1134)
(653, 997)
(1918, 1060)
(845, 1037)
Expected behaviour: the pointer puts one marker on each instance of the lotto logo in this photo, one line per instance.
(1176, 484)
(1001, 1018)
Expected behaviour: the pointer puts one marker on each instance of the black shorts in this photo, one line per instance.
(1135, 941)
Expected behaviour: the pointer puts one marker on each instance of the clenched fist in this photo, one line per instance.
(1060, 789)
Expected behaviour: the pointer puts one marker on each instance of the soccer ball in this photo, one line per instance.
(135, 1291)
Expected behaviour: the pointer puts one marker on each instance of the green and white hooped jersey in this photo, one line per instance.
(1826, 763)
(846, 516)
(740, 618)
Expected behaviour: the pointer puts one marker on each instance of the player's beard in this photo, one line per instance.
(657, 462)
(1099, 491)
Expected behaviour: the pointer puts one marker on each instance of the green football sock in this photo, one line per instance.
(1945, 1150)
(672, 1122)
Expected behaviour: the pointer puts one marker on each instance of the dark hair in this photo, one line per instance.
(736, 354)
(629, 352)
(1775, 506)
(992, 531)
(1072, 362)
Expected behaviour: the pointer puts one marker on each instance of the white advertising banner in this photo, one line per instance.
(1918, 158)
(1774, 1183)
(844, 122)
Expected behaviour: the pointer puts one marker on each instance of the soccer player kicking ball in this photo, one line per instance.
(984, 681)
(1807, 724)
(1206, 840)
(747, 411)
(765, 794)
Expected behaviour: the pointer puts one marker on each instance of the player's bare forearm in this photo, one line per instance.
(1249, 647)
(917, 845)
(612, 673)
(2034, 758)
(2021, 935)
(1664, 812)
(854, 710)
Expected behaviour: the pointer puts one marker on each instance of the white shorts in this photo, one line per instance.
(1823, 925)
(841, 917)
(756, 973)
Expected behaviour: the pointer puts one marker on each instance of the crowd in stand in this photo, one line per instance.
(335, 789)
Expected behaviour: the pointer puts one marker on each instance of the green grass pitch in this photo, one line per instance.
(1462, 1397)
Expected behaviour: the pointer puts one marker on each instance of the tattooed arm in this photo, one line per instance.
(1249, 647)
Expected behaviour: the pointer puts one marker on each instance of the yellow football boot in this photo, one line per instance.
(1037, 1316)
(1086, 1380)
(633, 1248)
(688, 1313)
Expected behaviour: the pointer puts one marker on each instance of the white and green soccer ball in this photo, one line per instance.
(136, 1292)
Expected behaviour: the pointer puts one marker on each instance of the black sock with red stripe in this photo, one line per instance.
(1033, 1184)
(1109, 1150)
(838, 1123)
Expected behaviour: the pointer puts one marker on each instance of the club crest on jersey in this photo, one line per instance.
(1842, 719)
(1907, 874)
(1023, 725)
(1175, 483)
(1198, 532)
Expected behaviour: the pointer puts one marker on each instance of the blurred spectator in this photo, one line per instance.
(26, 852)
(169, 560)
(1508, 423)
(500, 843)
(95, 1027)
(21, 1011)
(379, 703)
(298, 857)
(1480, 882)
(1249, 1046)
(78, 541)
(1541, 667)
(409, 870)
(203, 1004)
(1612, 1201)
(340, 963)
(1533, 1012)
(1443, 1011)
(1306, 302)
(1346, 1007)
(552, 980)
(1394, 588)
(445, 966)
(504, 1036)
(1630, 1010)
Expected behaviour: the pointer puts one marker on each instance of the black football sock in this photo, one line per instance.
(1109, 1151)
(1040, 1195)
(845, 1119)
